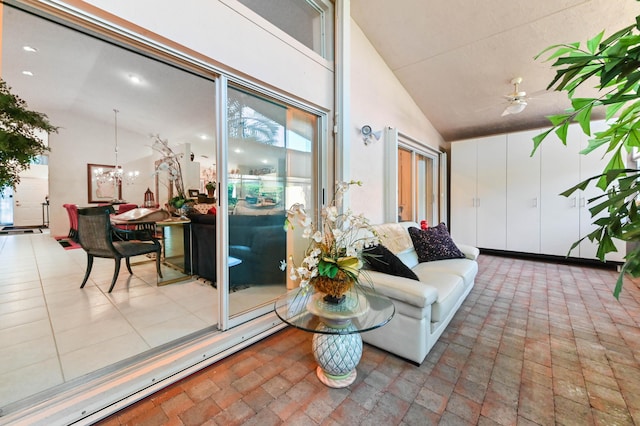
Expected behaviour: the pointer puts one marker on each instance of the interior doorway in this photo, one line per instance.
(6, 207)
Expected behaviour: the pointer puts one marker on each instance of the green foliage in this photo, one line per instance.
(18, 141)
(613, 64)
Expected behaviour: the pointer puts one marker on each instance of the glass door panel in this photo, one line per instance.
(418, 180)
(425, 191)
(269, 164)
(405, 185)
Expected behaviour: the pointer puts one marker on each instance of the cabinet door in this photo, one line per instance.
(491, 198)
(560, 216)
(523, 193)
(593, 164)
(463, 191)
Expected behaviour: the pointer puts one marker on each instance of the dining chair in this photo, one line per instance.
(72, 211)
(99, 238)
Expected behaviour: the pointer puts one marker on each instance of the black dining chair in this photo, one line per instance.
(100, 239)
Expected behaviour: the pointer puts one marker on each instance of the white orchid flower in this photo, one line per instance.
(332, 213)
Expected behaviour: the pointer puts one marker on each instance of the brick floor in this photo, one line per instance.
(534, 344)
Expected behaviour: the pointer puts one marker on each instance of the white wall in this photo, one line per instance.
(379, 100)
(70, 155)
(228, 34)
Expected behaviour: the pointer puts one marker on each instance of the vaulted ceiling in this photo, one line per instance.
(456, 58)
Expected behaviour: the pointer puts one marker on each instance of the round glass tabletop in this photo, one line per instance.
(363, 310)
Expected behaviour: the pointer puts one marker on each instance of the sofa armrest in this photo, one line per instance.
(404, 289)
(469, 252)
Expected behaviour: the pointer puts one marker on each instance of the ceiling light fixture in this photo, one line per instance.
(135, 79)
(117, 175)
(515, 107)
(27, 73)
(29, 49)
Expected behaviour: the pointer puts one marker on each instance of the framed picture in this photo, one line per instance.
(193, 193)
(101, 187)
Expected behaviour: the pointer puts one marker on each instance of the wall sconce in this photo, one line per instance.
(367, 133)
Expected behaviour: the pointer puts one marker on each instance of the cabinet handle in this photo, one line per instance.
(582, 202)
(473, 202)
(535, 202)
(477, 202)
(573, 202)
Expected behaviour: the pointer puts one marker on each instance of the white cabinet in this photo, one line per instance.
(463, 191)
(523, 193)
(560, 170)
(478, 192)
(591, 165)
(505, 199)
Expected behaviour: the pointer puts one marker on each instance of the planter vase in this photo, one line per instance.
(334, 288)
(337, 344)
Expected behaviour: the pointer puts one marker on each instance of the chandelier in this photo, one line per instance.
(116, 176)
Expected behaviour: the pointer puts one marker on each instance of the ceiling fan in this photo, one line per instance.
(517, 100)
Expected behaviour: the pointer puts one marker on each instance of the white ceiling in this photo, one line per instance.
(456, 58)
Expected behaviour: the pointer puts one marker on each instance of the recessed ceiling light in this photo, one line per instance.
(237, 151)
(204, 137)
(135, 79)
(29, 49)
(265, 161)
(28, 73)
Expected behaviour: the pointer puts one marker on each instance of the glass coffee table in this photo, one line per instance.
(337, 344)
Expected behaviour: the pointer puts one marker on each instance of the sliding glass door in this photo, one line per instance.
(270, 146)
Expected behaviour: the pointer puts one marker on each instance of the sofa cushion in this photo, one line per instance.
(434, 244)
(203, 208)
(381, 259)
(450, 288)
(408, 257)
(464, 268)
(394, 236)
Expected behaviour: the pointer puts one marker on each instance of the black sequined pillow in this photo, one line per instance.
(434, 243)
(381, 259)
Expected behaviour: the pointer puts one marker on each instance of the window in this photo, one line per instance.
(418, 184)
(310, 22)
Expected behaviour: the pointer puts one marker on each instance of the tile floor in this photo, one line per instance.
(78, 331)
(534, 344)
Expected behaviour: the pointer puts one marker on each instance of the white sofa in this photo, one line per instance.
(423, 308)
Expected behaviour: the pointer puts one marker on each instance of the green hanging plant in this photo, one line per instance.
(19, 144)
(612, 65)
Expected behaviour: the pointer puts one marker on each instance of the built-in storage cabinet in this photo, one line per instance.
(464, 166)
(479, 191)
(559, 171)
(523, 194)
(503, 198)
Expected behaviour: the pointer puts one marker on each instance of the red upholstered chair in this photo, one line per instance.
(72, 211)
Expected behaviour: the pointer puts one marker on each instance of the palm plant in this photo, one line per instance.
(19, 143)
(613, 65)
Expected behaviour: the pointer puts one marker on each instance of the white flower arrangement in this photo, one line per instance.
(170, 164)
(336, 247)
